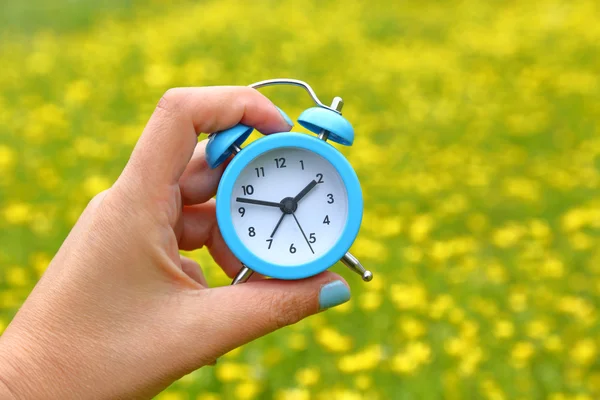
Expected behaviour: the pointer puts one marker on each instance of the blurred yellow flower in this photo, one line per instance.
(16, 276)
(293, 394)
(247, 390)
(95, 184)
(17, 213)
(406, 297)
(364, 360)
(230, 371)
(584, 352)
(412, 328)
(420, 227)
(307, 376)
(7, 158)
(521, 353)
(332, 340)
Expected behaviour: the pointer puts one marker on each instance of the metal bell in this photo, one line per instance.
(222, 144)
(319, 119)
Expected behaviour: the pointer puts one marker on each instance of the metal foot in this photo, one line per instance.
(242, 276)
(352, 262)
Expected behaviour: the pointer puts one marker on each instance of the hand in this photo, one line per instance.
(303, 234)
(305, 191)
(278, 223)
(118, 313)
(258, 202)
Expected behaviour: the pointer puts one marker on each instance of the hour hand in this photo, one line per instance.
(304, 191)
(258, 202)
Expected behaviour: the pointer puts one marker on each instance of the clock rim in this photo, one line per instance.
(273, 142)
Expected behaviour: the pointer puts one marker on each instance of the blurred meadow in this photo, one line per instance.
(477, 145)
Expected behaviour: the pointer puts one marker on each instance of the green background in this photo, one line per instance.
(477, 146)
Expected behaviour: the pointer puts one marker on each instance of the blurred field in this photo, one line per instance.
(478, 148)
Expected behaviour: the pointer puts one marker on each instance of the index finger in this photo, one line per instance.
(168, 140)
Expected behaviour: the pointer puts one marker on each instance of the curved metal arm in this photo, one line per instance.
(293, 82)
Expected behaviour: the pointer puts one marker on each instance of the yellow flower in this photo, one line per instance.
(332, 340)
(16, 276)
(17, 213)
(406, 297)
(78, 92)
(508, 236)
(414, 355)
(584, 352)
(518, 300)
(369, 301)
(521, 353)
(364, 360)
(307, 376)
(420, 228)
(440, 306)
(412, 327)
(537, 329)
(230, 371)
(293, 394)
(95, 184)
(247, 390)
(522, 188)
(7, 158)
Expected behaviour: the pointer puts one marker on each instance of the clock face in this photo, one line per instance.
(289, 206)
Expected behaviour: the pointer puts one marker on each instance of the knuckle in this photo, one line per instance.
(285, 310)
(97, 199)
(171, 100)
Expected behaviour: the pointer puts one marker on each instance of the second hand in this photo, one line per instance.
(303, 234)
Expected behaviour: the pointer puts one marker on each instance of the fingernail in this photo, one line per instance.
(333, 294)
(284, 115)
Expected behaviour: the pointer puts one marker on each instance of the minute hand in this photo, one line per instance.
(304, 191)
(259, 202)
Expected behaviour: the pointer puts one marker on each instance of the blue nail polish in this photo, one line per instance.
(284, 115)
(333, 294)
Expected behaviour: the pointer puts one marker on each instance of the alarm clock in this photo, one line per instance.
(289, 205)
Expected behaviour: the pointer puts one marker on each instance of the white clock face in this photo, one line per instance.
(289, 206)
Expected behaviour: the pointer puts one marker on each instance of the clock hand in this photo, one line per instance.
(278, 223)
(304, 191)
(259, 202)
(307, 242)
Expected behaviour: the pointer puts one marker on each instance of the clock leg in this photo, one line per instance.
(352, 262)
(242, 276)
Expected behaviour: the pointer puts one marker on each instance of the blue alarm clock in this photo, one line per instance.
(289, 205)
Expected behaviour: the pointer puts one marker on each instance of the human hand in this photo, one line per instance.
(118, 313)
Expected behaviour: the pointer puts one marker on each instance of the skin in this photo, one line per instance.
(119, 314)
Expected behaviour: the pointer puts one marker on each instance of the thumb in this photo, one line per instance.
(245, 312)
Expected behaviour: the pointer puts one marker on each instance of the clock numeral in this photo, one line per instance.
(292, 248)
(242, 211)
(280, 162)
(330, 197)
(320, 176)
(248, 190)
(260, 171)
(326, 220)
(302, 163)
(312, 238)
(251, 232)
(270, 243)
